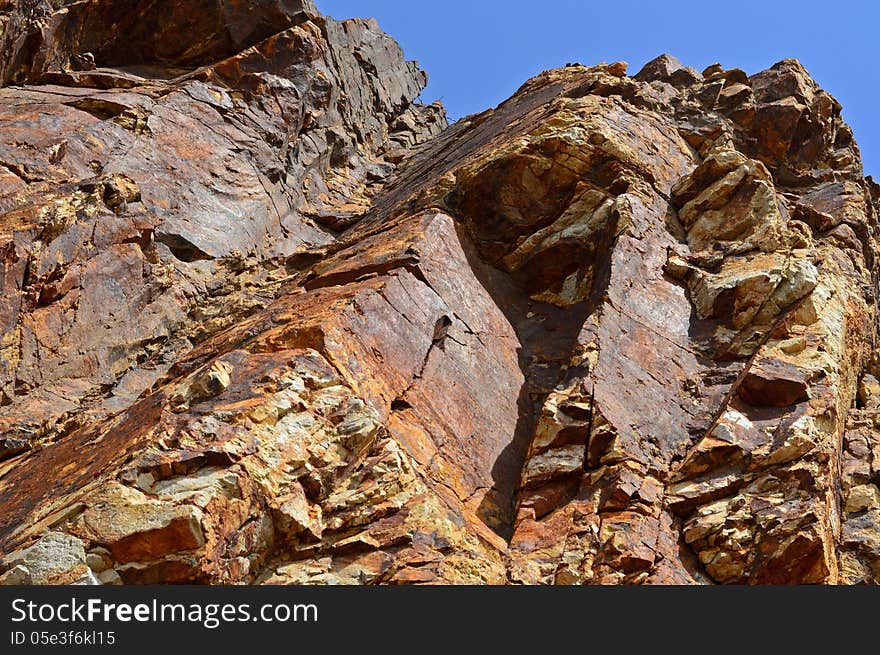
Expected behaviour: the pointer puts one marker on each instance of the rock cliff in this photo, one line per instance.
(266, 318)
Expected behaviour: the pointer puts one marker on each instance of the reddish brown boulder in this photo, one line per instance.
(774, 383)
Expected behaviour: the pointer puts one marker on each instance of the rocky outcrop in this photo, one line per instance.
(146, 206)
(266, 321)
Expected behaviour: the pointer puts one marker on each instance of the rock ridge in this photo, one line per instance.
(267, 319)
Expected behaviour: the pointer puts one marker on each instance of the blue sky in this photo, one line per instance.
(478, 52)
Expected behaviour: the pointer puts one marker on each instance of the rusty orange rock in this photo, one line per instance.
(265, 319)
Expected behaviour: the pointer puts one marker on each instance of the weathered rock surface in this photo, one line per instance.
(140, 208)
(265, 320)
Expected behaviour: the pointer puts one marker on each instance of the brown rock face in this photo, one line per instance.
(264, 318)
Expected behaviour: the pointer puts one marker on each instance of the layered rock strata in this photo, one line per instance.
(265, 320)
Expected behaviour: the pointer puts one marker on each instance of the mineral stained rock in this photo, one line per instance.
(265, 318)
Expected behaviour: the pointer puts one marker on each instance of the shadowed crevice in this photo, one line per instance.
(547, 335)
